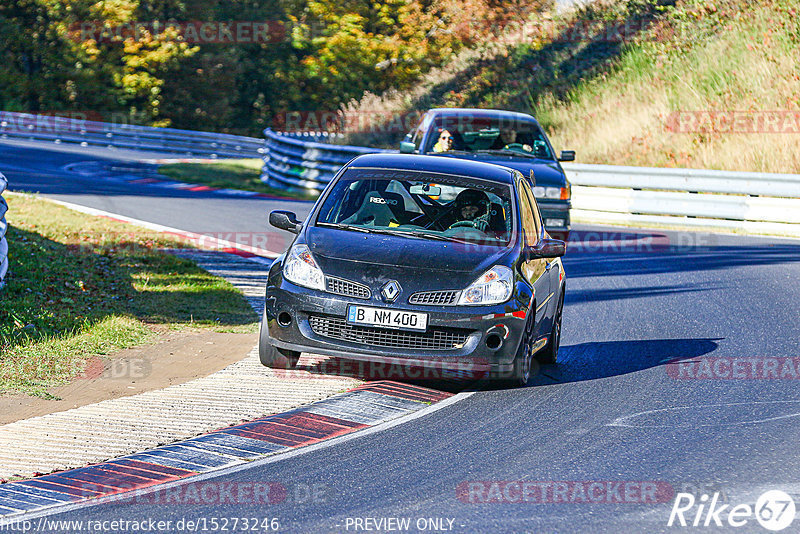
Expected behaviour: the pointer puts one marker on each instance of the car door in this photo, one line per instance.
(537, 270)
(552, 265)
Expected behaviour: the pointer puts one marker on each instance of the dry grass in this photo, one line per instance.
(613, 103)
(745, 62)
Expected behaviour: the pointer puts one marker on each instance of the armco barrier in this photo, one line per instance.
(26, 126)
(302, 162)
(3, 228)
(751, 202)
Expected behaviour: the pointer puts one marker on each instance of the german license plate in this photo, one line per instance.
(404, 320)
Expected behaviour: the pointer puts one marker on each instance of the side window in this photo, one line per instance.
(537, 218)
(528, 213)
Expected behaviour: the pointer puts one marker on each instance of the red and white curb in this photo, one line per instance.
(366, 407)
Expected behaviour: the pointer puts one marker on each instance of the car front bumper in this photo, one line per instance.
(464, 338)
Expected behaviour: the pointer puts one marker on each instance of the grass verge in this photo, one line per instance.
(81, 286)
(244, 174)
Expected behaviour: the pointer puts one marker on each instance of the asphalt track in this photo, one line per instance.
(613, 412)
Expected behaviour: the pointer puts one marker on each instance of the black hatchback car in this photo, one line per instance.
(418, 261)
(507, 138)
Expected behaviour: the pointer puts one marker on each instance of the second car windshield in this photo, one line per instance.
(421, 205)
(513, 137)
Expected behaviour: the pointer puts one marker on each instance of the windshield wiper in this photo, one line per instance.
(388, 231)
(414, 233)
(507, 152)
(452, 151)
(438, 237)
(342, 226)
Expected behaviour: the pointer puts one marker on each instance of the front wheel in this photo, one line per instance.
(550, 352)
(274, 357)
(523, 364)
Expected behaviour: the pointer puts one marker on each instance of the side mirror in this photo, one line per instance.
(285, 220)
(407, 147)
(546, 248)
(567, 155)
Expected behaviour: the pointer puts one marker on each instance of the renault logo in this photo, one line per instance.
(390, 291)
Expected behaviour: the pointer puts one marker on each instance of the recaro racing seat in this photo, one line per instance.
(379, 209)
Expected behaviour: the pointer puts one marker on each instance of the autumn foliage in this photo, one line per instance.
(70, 56)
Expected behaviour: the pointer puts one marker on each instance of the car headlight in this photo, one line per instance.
(301, 269)
(553, 193)
(492, 287)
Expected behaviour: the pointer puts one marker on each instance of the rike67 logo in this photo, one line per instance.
(774, 510)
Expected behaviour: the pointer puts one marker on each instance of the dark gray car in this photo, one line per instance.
(418, 261)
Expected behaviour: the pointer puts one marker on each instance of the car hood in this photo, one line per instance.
(546, 173)
(354, 255)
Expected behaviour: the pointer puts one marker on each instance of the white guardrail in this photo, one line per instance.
(751, 202)
(57, 129)
(690, 198)
(3, 228)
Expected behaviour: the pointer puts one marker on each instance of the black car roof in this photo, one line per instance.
(437, 164)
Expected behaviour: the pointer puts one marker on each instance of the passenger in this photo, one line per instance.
(444, 143)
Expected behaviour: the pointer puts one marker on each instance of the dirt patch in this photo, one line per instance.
(176, 357)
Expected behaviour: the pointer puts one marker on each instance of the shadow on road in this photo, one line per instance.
(589, 361)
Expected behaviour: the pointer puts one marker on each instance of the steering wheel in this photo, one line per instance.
(449, 210)
(515, 145)
(463, 224)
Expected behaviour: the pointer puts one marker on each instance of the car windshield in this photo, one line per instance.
(420, 205)
(503, 136)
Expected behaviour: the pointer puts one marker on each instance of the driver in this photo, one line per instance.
(508, 138)
(472, 207)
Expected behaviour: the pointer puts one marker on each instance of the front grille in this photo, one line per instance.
(433, 339)
(347, 288)
(434, 298)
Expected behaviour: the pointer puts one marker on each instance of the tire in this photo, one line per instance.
(274, 357)
(549, 354)
(525, 365)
